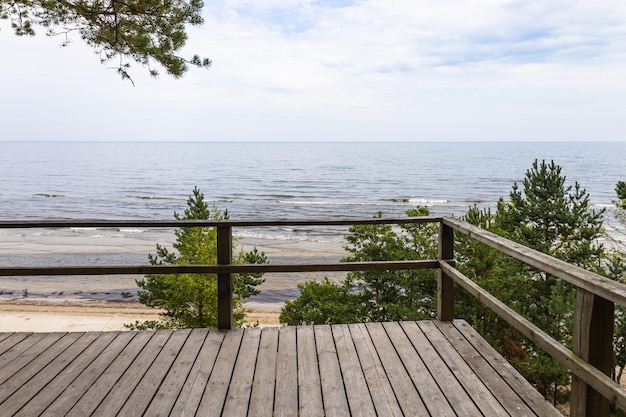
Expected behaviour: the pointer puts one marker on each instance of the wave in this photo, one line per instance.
(287, 235)
(322, 203)
(148, 197)
(420, 201)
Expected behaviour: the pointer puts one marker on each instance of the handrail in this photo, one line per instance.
(596, 294)
(579, 277)
(61, 223)
(220, 269)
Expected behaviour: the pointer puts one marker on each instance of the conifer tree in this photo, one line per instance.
(145, 31)
(552, 217)
(190, 300)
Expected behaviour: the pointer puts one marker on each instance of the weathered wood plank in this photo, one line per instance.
(217, 386)
(17, 380)
(441, 368)
(77, 388)
(170, 389)
(240, 389)
(126, 385)
(309, 385)
(148, 385)
(390, 369)
(505, 371)
(359, 398)
(432, 396)
(11, 339)
(475, 393)
(262, 397)
(110, 376)
(25, 351)
(286, 393)
(381, 392)
(57, 375)
(333, 392)
(408, 398)
(193, 389)
(487, 375)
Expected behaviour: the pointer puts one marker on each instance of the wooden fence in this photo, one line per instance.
(590, 361)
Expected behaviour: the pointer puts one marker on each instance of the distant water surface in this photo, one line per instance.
(42, 180)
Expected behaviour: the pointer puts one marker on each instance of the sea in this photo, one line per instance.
(257, 181)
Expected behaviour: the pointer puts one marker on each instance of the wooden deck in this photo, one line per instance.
(425, 368)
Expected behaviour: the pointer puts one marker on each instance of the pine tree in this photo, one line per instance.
(190, 300)
(552, 217)
(147, 31)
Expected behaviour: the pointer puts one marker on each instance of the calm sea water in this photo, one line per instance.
(41, 180)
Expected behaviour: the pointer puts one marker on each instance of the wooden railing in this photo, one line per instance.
(590, 361)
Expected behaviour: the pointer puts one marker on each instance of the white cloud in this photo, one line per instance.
(344, 70)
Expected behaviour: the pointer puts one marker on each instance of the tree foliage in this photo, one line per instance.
(324, 302)
(374, 295)
(144, 31)
(552, 217)
(190, 300)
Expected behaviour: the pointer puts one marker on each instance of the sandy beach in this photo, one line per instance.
(44, 316)
(102, 303)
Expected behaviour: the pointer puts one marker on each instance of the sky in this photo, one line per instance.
(344, 70)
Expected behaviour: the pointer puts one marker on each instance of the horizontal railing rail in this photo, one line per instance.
(221, 269)
(589, 361)
(62, 223)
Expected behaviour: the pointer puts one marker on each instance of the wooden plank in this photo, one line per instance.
(59, 374)
(503, 370)
(80, 385)
(480, 366)
(126, 385)
(359, 398)
(449, 368)
(217, 386)
(309, 386)
(193, 389)
(262, 397)
(380, 389)
(110, 376)
(170, 389)
(147, 387)
(27, 350)
(333, 392)
(408, 398)
(240, 389)
(17, 380)
(431, 393)
(286, 393)
(11, 339)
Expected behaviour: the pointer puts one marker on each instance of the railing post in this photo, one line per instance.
(593, 342)
(224, 280)
(445, 287)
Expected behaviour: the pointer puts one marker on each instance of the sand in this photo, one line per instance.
(43, 316)
(100, 303)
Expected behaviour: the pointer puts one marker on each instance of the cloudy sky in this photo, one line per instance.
(343, 70)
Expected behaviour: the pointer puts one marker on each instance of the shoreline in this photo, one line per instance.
(83, 316)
